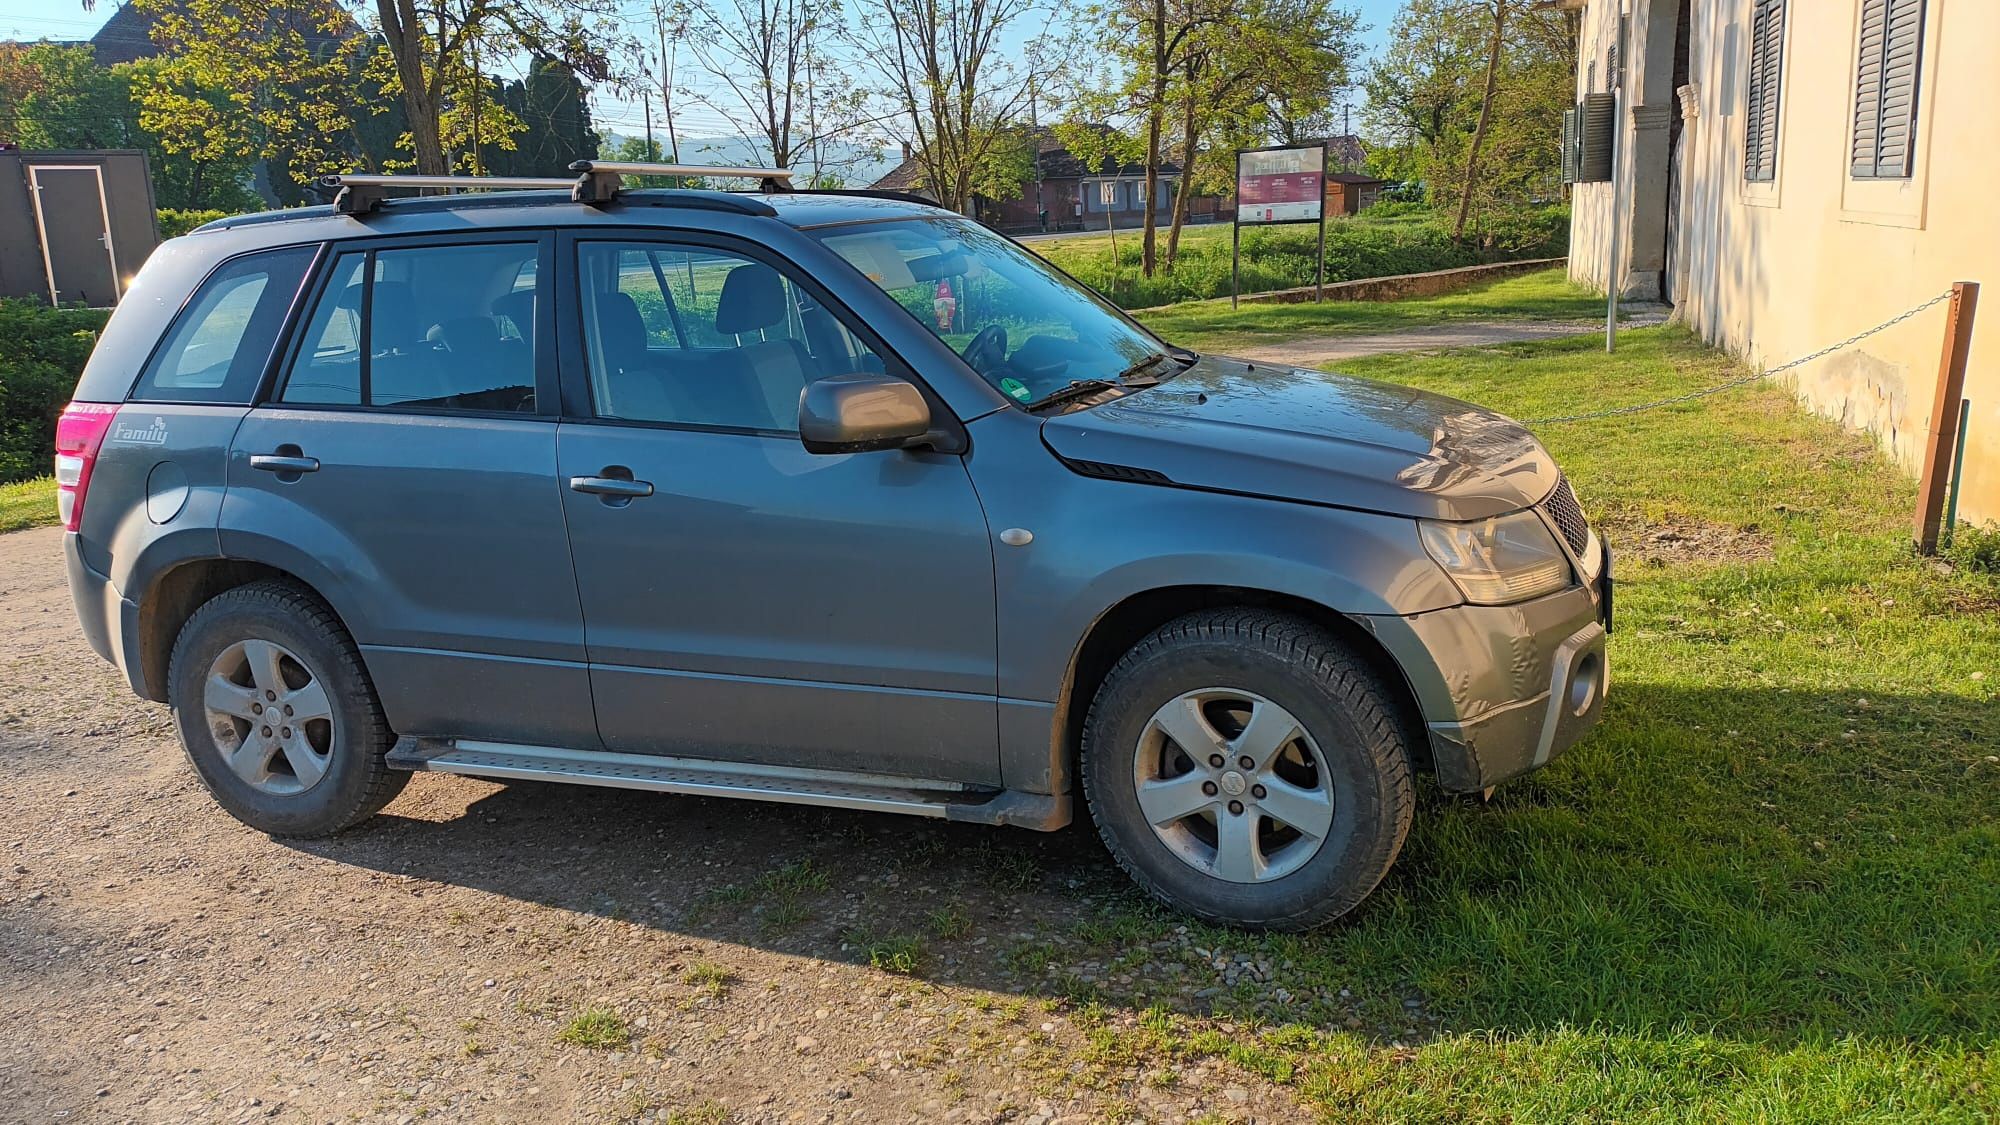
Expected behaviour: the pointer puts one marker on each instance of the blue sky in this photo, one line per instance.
(66, 19)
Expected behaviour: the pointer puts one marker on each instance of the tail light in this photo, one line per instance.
(79, 434)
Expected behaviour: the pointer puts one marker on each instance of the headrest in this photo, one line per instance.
(518, 307)
(464, 333)
(753, 299)
(392, 321)
(621, 330)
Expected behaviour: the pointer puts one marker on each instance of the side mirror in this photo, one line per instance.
(860, 412)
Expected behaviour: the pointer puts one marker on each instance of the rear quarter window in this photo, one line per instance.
(220, 344)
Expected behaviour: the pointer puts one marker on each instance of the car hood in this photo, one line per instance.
(1290, 433)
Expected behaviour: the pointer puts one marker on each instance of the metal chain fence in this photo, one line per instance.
(1718, 388)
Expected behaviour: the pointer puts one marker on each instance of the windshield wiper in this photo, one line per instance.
(1126, 376)
(1073, 390)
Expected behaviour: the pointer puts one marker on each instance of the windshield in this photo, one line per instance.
(1025, 327)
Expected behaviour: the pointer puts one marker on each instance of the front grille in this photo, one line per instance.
(1568, 514)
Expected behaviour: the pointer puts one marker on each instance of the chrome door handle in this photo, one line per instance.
(611, 486)
(283, 463)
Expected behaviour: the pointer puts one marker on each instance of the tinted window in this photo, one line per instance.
(435, 327)
(219, 347)
(705, 337)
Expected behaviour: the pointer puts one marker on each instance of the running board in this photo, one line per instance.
(702, 778)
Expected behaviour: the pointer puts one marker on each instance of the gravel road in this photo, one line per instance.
(537, 952)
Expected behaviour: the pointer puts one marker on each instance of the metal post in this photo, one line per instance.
(1319, 275)
(1943, 426)
(1616, 273)
(1236, 255)
(1957, 471)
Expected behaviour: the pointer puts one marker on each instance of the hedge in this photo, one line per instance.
(175, 222)
(42, 351)
(1282, 258)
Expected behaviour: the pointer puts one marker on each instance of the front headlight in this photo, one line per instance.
(1500, 560)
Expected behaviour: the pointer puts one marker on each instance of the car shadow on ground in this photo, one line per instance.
(1691, 864)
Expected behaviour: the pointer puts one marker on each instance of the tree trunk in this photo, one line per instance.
(1148, 251)
(406, 45)
(1190, 138)
(1485, 113)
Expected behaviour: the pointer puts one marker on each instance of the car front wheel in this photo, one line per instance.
(1243, 766)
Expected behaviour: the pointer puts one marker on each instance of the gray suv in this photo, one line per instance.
(828, 498)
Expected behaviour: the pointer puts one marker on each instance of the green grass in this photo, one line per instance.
(1211, 326)
(598, 1029)
(1768, 886)
(28, 503)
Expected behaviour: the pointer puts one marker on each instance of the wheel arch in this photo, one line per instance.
(175, 594)
(1124, 624)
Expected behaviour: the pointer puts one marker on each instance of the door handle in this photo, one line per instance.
(284, 463)
(612, 486)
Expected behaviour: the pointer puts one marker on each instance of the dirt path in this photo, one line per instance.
(160, 962)
(1313, 351)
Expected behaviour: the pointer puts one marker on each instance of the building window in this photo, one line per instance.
(1760, 118)
(1885, 89)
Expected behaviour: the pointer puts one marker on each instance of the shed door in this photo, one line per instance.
(75, 233)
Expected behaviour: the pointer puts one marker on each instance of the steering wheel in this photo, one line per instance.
(987, 351)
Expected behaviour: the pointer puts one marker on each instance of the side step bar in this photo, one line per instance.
(695, 777)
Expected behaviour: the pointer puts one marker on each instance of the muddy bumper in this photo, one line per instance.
(1504, 689)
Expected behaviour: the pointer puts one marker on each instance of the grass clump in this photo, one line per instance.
(893, 953)
(708, 978)
(596, 1028)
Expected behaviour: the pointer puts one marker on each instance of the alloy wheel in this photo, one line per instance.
(1233, 785)
(269, 717)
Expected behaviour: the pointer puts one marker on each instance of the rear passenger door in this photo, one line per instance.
(403, 464)
(745, 599)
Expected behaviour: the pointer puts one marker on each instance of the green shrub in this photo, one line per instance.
(42, 351)
(175, 222)
(1282, 257)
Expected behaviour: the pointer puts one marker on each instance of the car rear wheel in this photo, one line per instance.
(1243, 766)
(277, 714)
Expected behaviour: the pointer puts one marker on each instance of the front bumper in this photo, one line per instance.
(1504, 689)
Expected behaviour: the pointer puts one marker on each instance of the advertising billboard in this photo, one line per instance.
(1281, 185)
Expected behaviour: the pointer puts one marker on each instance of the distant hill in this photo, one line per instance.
(856, 165)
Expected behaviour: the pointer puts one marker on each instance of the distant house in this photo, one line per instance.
(1075, 195)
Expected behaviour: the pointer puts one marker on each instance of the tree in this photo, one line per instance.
(435, 47)
(1429, 92)
(1273, 63)
(1498, 8)
(955, 100)
(777, 80)
(291, 80)
(66, 100)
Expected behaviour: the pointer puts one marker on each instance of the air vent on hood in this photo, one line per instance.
(1117, 472)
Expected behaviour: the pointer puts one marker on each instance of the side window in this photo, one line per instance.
(704, 337)
(432, 327)
(219, 347)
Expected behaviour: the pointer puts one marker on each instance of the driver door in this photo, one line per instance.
(744, 599)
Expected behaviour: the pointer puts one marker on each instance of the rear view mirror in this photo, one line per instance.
(861, 412)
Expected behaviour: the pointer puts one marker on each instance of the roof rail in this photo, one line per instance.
(599, 181)
(358, 195)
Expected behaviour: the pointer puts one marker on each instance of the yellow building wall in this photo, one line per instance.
(1774, 271)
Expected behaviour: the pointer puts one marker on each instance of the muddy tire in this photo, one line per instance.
(1245, 767)
(277, 714)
